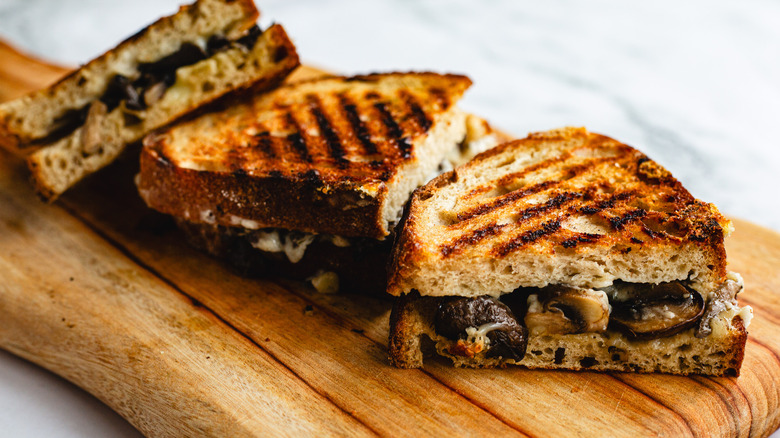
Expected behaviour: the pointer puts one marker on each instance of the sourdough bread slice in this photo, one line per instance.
(332, 155)
(330, 263)
(168, 69)
(559, 207)
(570, 250)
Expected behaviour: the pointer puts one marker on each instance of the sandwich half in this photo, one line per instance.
(309, 179)
(168, 69)
(565, 250)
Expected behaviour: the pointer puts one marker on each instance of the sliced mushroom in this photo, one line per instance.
(250, 38)
(187, 54)
(154, 93)
(658, 310)
(90, 132)
(726, 293)
(216, 43)
(469, 320)
(563, 310)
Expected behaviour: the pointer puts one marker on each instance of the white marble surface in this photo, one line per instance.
(692, 84)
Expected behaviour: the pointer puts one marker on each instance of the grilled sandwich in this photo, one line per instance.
(567, 250)
(170, 68)
(309, 179)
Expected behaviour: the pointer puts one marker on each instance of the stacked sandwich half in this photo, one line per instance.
(566, 250)
(308, 180)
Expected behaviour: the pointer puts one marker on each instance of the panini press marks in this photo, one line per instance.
(566, 189)
(358, 129)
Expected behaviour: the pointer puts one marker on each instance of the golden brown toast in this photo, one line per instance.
(166, 70)
(568, 250)
(331, 155)
(558, 207)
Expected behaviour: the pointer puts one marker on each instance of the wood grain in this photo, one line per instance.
(104, 292)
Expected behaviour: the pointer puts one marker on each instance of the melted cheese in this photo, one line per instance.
(721, 324)
(244, 223)
(478, 335)
(272, 241)
(293, 247)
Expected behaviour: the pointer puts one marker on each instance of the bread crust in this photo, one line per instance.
(644, 218)
(330, 155)
(298, 202)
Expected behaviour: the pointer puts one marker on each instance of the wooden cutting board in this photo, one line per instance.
(104, 292)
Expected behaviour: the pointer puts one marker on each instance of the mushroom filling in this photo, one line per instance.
(650, 311)
(487, 325)
(562, 310)
(149, 84)
(481, 324)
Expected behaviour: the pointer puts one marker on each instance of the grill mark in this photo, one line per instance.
(569, 173)
(515, 195)
(397, 138)
(471, 238)
(619, 222)
(649, 232)
(607, 203)
(551, 204)
(296, 140)
(262, 142)
(580, 238)
(509, 178)
(419, 115)
(358, 127)
(335, 147)
(547, 228)
(506, 199)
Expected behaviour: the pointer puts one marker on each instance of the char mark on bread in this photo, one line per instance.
(396, 135)
(357, 125)
(351, 150)
(327, 131)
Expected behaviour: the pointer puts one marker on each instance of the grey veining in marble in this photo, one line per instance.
(693, 84)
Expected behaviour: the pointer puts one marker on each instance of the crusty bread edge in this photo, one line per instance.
(408, 257)
(302, 202)
(257, 202)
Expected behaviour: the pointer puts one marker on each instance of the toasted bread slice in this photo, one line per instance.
(558, 207)
(168, 69)
(587, 252)
(332, 155)
(330, 263)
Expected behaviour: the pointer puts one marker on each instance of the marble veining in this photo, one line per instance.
(692, 84)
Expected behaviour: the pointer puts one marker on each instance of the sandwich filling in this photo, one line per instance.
(134, 93)
(491, 327)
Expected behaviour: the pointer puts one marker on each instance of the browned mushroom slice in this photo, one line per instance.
(465, 319)
(656, 311)
(564, 310)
